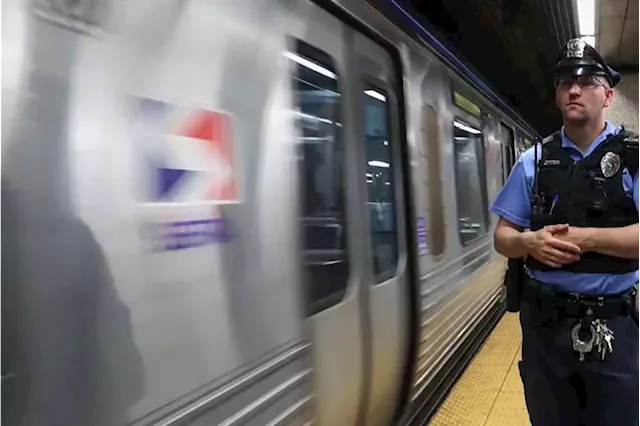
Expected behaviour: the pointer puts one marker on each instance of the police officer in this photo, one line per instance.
(570, 207)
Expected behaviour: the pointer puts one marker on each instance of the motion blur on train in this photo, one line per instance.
(242, 212)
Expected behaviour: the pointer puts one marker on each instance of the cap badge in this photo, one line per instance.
(575, 48)
(610, 164)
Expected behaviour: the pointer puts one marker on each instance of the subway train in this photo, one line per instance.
(243, 212)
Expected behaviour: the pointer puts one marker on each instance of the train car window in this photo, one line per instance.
(508, 142)
(471, 187)
(380, 183)
(320, 164)
(436, 240)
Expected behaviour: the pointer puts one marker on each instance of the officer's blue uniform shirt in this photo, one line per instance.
(513, 203)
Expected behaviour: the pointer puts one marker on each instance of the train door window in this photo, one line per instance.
(320, 166)
(507, 139)
(436, 240)
(471, 188)
(380, 183)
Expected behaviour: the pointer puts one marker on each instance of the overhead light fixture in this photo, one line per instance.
(311, 65)
(466, 128)
(586, 17)
(376, 95)
(381, 164)
(586, 11)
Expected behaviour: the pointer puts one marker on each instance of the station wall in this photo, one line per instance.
(624, 111)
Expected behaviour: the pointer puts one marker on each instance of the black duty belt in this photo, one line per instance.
(574, 305)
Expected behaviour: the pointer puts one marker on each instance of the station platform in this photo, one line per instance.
(489, 392)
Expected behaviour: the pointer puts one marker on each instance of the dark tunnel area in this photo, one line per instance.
(512, 43)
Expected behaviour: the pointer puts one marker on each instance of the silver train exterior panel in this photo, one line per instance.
(240, 212)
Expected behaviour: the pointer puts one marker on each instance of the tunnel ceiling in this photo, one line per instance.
(512, 43)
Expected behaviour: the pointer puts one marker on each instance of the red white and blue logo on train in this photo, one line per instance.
(190, 152)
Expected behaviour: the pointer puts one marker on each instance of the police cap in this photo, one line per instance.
(577, 58)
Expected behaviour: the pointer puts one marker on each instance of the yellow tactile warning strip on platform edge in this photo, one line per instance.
(489, 392)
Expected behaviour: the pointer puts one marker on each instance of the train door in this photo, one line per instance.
(324, 108)
(385, 283)
(355, 255)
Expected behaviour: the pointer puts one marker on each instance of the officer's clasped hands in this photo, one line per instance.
(548, 247)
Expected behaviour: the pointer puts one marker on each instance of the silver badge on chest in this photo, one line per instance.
(610, 164)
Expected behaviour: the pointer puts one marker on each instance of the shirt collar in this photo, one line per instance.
(610, 129)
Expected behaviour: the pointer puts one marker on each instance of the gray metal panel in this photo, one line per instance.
(275, 390)
(453, 298)
(455, 289)
(138, 330)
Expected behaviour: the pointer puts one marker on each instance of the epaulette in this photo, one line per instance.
(629, 138)
(631, 145)
(625, 134)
